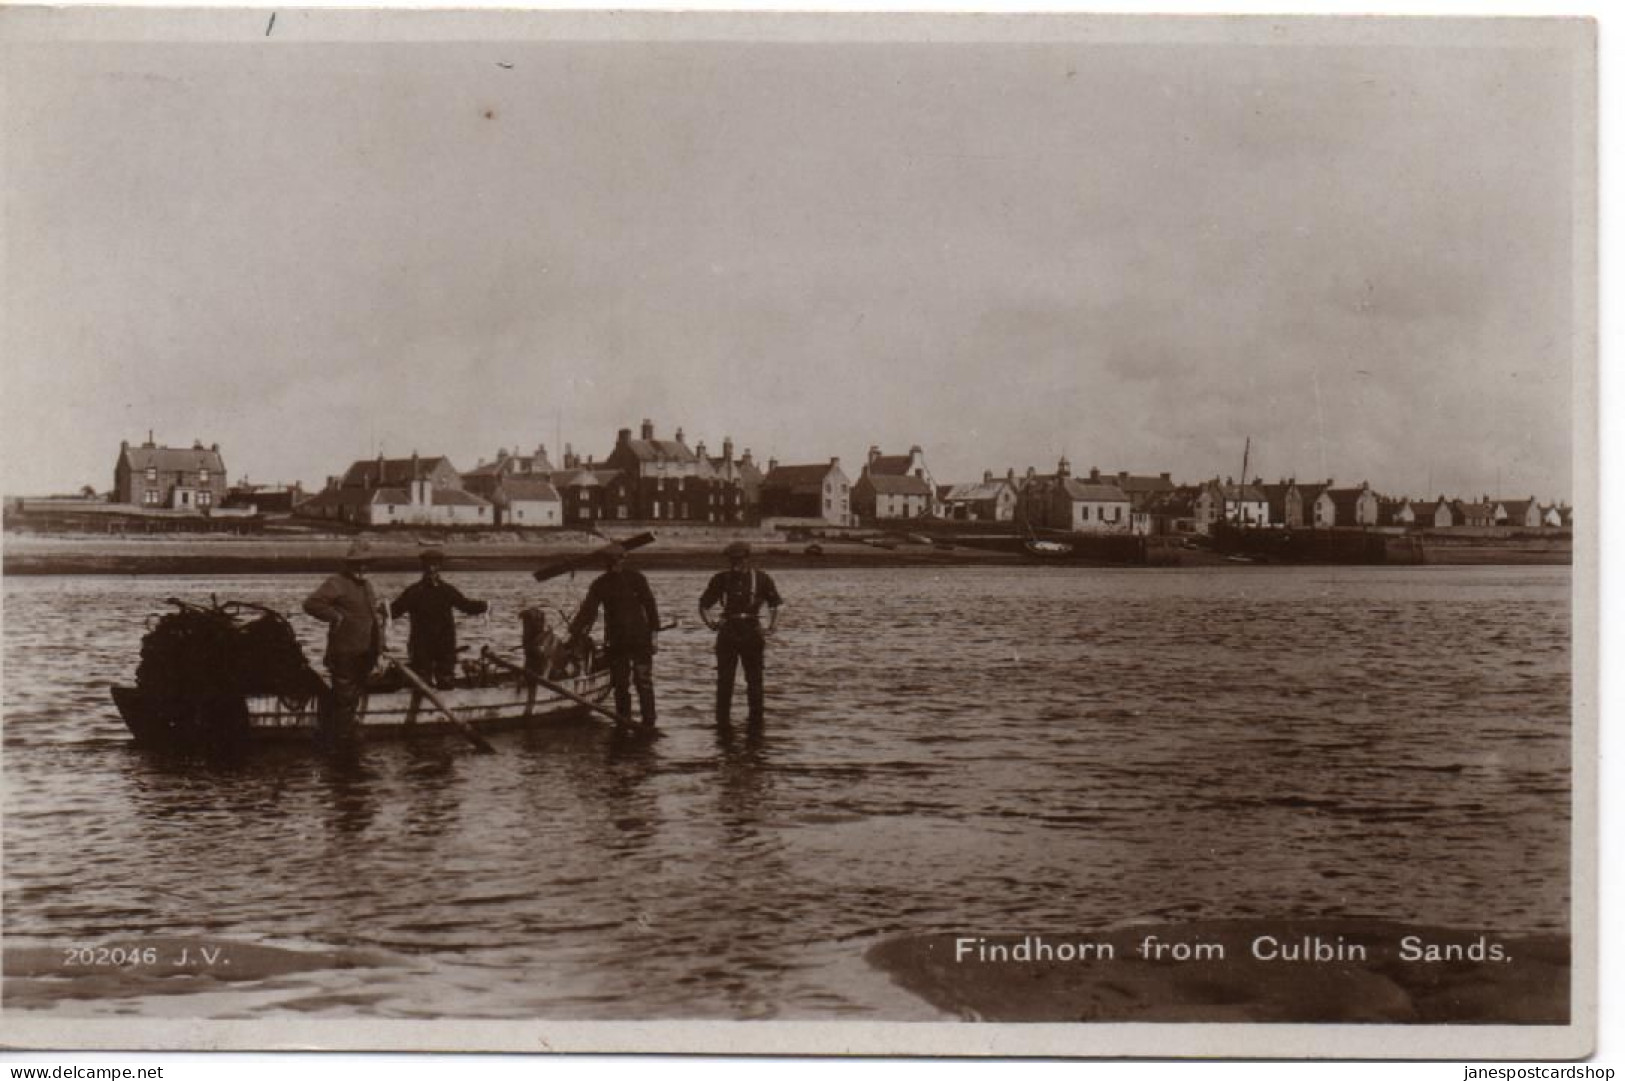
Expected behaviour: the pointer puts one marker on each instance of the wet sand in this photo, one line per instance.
(1530, 987)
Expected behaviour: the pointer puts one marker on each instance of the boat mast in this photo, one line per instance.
(1246, 453)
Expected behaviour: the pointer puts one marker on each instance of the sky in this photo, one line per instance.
(1139, 254)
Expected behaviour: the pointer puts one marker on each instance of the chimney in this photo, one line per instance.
(648, 429)
(727, 448)
(874, 452)
(570, 459)
(215, 447)
(835, 463)
(746, 459)
(987, 476)
(772, 464)
(1330, 482)
(1010, 474)
(1094, 474)
(197, 444)
(123, 445)
(149, 442)
(1063, 468)
(680, 437)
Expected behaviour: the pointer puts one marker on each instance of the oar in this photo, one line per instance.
(480, 742)
(550, 685)
(575, 563)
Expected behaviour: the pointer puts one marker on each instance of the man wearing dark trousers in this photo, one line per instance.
(347, 604)
(431, 649)
(631, 629)
(741, 639)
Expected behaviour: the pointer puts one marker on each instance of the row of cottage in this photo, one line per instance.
(651, 479)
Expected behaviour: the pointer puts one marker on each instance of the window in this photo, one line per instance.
(204, 498)
(152, 474)
(203, 476)
(150, 497)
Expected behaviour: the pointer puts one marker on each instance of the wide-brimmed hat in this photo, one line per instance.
(431, 557)
(737, 550)
(360, 552)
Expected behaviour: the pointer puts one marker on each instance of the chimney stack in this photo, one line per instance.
(680, 437)
(987, 476)
(624, 436)
(648, 428)
(874, 452)
(727, 448)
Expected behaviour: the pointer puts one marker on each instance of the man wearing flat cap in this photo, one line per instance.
(631, 627)
(431, 647)
(741, 640)
(347, 604)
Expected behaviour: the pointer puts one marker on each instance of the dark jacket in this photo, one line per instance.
(350, 610)
(630, 614)
(434, 629)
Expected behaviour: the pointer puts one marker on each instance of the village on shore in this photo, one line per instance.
(667, 482)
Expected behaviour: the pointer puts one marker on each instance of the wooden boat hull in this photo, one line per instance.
(383, 714)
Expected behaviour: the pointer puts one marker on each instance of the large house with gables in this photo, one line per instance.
(894, 486)
(170, 478)
(1354, 506)
(669, 481)
(1238, 504)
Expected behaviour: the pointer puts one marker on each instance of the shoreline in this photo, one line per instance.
(92, 555)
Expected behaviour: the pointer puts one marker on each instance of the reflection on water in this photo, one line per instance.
(1036, 750)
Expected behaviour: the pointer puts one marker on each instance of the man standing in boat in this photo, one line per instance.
(631, 629)
(347, 604)
(431, 648)
(741, 639)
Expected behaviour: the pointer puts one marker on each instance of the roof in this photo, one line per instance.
(977, 492)
(364, 472)
(894, 485)
(798, 476)
(526, 490)
(174, 459)
(575, 478)
(659, 450)
(1134, 483)
(1517, 508)
(1177, 504)
(1243, 493)
(1086, 491)
(890, 465)
(1346, 497)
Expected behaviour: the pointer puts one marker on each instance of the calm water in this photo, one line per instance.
(1033, 750)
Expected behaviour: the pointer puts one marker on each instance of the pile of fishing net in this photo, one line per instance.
(200, 663)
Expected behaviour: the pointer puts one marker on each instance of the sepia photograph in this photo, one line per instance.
(737, 533)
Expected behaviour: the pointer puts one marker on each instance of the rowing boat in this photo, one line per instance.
(383, 713)
(234, 673)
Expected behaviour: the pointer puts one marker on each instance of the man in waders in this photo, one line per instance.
(631, 628)
(347, 604)
(741, 640)
(431, 648)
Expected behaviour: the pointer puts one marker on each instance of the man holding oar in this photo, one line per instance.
(347, 604)
(631, 627)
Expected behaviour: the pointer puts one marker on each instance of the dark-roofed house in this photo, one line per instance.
(1395, 512)
(992, 500)
(535, 466)
(1238, 504)
(526, 501)
(264, 498)
(1080, 505)
(1172, 513)
(808, 491)
(382, 491)
(589, 494)
(911, 464)
(668, 480)
(1354, 506)
(886, 497)
(1309, 507)
(1478, 515)
(173, 478)
(1433, 514)
(1522, 512)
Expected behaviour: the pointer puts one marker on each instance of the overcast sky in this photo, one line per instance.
(1138, 255)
